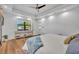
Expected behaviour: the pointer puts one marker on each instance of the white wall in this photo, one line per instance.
(35, 26)
(9, 26)
(65, 25)
(62, 24)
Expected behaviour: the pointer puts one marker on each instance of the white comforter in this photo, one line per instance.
(53, 44)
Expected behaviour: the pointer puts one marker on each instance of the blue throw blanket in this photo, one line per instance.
(34, 43)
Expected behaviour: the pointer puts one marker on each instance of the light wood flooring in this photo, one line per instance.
(13, 46)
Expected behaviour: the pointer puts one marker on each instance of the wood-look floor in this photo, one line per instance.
(13, 46)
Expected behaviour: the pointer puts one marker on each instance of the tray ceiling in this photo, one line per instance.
(49, 8)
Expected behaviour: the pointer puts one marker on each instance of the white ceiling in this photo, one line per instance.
(49, 8)
(29, 8)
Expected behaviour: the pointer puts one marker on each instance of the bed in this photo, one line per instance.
(52, 44)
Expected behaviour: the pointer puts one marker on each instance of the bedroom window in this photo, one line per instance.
(23, 24)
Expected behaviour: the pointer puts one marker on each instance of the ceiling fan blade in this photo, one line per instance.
(41, 6)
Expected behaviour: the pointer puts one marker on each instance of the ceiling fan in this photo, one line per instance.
(38, 7)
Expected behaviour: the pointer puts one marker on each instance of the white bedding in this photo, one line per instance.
(53, 44)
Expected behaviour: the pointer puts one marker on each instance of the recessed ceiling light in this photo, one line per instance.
(42, 20)
(65, 13)
(51, 17)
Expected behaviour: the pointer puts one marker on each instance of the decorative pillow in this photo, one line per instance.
(33, 44)
(68, 39)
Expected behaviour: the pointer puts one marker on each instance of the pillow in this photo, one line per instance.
(68, 39)
(73, 47)
(33, 44)
(77, 35)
